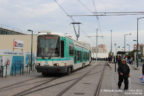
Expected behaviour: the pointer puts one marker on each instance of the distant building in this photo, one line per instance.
(101, 52)
(101, 48)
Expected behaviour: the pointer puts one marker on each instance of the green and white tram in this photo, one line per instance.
(60, 54)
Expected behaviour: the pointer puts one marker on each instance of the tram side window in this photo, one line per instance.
(87, 56)
(71, 50)
(75, 56)
(81, 59)
(84, 56)
(62, 48)
(78, 55)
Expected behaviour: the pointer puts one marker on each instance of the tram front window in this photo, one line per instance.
(48, 47)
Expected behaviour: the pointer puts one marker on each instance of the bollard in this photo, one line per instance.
(12, 70)
(20, 68)
(33, 66)
(29, 68)
(2, 71)
(115, 66)
(6, 72)
(115, 63)
(15, 69)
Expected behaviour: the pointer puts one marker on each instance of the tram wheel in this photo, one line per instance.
(44, 74)
(69, 70)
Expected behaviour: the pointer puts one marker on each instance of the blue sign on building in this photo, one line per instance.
(17, 64)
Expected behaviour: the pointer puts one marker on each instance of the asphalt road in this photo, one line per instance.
(83, 82)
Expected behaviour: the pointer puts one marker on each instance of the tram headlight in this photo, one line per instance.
(65, 64)
(38, 64)
(56, 64)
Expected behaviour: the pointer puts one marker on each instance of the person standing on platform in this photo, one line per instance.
(124, 73)
(143, 69)
(142, 78)
(119, 61)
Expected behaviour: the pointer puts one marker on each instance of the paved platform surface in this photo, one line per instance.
(109, 86)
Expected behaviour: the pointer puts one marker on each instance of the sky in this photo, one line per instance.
(46, 15)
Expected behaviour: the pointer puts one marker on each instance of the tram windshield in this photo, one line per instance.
(48, 46)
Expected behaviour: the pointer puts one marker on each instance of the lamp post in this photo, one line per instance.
(31, 47)
(111, 41)
(138, 38)
(115, 58)
(97, 36)
(115, 48)
(125, 41)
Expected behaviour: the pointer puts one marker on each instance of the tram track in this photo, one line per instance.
(36, 89)
(21, 85)
(75, 82)
(52, 85)
(98, 88)
(17, 83)
(22, 93)
(46, 87)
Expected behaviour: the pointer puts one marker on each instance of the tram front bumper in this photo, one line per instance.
(51, 69)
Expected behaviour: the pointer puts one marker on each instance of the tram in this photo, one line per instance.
(61, 54)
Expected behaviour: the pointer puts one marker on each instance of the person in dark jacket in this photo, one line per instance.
(124, 73)
(143, 69)
(119, 61)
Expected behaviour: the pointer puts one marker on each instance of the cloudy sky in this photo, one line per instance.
(46, 15)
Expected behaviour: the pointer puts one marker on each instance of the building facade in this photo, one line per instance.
(7, 43)
(8, 38)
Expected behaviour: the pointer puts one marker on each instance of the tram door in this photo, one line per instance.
(62, 48)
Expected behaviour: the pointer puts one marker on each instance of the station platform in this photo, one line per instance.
(109, 85)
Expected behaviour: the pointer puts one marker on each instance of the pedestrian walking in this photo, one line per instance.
(142, 77)
(119, 61)
(124, 73)
(143, 69)
(129, 59)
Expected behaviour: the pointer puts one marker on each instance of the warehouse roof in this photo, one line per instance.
(5, 31)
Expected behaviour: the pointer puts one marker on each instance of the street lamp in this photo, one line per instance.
(77, 32)
(135, 45)
(138, 38)
(125, 41)
(134, 40)
(31, 46)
